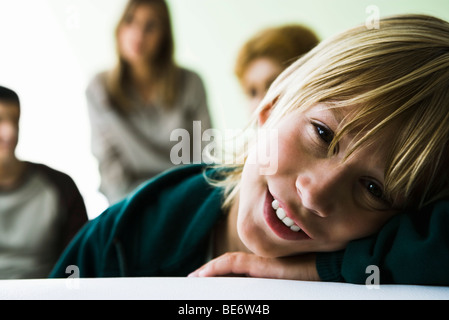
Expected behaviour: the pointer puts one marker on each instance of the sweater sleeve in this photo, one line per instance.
(195, 100)
(202, 109)
(73, 202)
(90, 248)
(106, 148)
(412, 248)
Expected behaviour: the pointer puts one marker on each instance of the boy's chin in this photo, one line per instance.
(265, 250)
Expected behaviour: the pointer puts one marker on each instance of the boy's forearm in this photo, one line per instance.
(301, 267)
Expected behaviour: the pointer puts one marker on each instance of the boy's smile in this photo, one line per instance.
(280, 220)
(322, 202)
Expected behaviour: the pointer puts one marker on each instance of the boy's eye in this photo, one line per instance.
(375, 195)
(375, 190)
(324, 133)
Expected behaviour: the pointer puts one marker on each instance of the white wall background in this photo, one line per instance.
(49, 50)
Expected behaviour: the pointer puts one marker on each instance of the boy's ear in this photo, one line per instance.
(265, 113)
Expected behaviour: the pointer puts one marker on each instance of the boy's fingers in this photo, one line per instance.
(236, 263)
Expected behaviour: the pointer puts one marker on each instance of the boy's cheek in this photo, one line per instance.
(268, 152)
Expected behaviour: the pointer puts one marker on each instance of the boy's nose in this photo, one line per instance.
(320, 190)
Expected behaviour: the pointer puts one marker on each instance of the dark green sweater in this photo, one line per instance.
(164, 228)
(412, 248)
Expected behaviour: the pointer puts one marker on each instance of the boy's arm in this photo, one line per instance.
(90, 249)
(240, 263)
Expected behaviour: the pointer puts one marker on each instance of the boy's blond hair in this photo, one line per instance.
(397, 77)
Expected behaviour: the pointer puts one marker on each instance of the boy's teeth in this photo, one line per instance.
(295, 228)
(275, 204)
(280, 213)
(288, 222)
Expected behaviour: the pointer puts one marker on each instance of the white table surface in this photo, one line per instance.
(206, 289)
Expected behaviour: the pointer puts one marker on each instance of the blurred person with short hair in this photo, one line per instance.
(41, 209)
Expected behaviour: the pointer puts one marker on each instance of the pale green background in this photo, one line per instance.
(49, 49)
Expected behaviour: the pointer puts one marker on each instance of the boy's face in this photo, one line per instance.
(332, 202)
(9, 129)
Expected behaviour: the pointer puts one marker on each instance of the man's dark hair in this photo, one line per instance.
(8, 95)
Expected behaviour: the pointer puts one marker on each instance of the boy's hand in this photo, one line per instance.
(301, 267)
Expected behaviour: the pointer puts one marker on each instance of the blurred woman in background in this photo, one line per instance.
(134, 107)
(264, 56)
